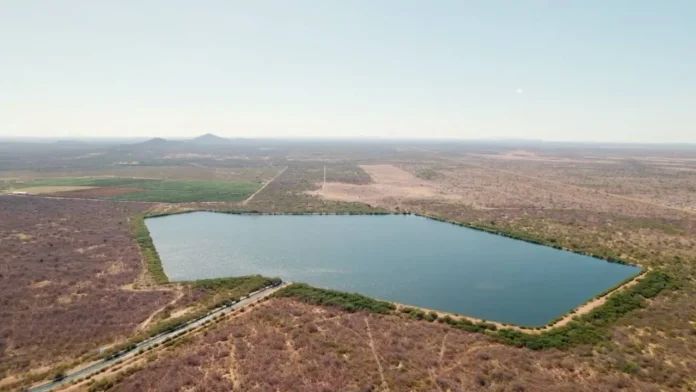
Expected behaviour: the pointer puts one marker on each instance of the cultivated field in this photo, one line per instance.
(138, 189)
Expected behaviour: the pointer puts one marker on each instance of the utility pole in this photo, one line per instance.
(323, 186)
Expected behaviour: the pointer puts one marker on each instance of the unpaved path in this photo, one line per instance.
(148, 320)
(248, 199)
(385, 386)
(441, 356)
(233, 374)
(88, 370)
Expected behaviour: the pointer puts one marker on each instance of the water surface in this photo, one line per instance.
(403, 258)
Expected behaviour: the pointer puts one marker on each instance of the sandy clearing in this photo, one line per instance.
(97, 192)
(40, 284)
(22, 237)
(179, 294)
(37, 190)
(389, 182)
(522, 155)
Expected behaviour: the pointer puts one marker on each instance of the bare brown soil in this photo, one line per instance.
(37, 190)
(388, 183)
(96, 193)
(490, 185)
(63, 264)
(289, 346)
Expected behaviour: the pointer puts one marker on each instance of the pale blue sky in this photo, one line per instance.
(555, 70)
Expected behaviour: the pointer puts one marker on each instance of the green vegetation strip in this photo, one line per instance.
(347, 301)
(147, 248)
(158, 190)
(242, 285)
(590, 328)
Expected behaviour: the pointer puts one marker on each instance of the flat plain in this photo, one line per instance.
(74, 282)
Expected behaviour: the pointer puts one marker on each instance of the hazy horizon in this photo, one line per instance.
(588, 72)
(512, 142)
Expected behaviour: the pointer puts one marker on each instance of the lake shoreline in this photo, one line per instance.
(562, 319)
(558, 322)
(380, 213)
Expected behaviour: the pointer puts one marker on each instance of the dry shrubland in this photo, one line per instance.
(637, 206)
(64, 265)
(599, 202)
(291, 346)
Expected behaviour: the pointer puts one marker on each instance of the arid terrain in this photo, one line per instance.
(67, 269)
(287, 345)
(389, 184)
(74, 279)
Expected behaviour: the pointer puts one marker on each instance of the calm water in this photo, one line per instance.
(404, 258)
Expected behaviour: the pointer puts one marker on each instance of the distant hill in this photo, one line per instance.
(70, 142)
(157, 141)
(210, 138)
(160, 144)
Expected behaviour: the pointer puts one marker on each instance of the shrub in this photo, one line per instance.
(147, 248)
(348, 301)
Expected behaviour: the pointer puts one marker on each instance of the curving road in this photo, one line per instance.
(151, 342)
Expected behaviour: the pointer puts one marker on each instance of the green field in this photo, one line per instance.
(157, 190)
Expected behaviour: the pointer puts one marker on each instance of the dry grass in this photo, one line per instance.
(290, 346)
